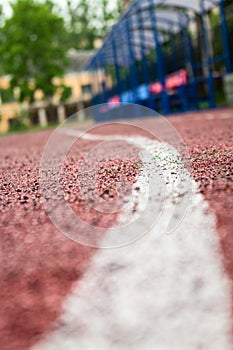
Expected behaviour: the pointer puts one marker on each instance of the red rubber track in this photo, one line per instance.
(38, 264)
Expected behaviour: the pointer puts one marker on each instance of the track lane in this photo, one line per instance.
(201, 132)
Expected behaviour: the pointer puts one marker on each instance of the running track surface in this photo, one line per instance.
(39, 266)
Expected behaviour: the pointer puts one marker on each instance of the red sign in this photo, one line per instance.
(176, 79)
(113, 101)
(172, 81)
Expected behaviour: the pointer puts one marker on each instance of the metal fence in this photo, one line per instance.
(167, 57)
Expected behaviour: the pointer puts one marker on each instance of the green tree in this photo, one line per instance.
(32, 47)
(80, 26)
(1, 24)
(107, 13)
(90, 20)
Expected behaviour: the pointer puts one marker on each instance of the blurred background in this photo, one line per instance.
(44, 46)
(58, 57)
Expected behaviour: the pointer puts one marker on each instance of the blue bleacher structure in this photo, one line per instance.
(160, 55)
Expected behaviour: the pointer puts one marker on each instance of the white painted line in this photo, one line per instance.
(214, 116)
(87, 136)
(218, 116)
(161, 292)
(226, 115)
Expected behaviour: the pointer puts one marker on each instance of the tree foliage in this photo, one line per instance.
(35, 39)
(89, 21)
(32, 47)
(80, 28)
